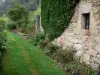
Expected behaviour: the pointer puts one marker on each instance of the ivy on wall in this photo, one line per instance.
(56, 16)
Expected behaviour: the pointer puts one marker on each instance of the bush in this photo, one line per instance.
(76, 68)
(2, 25)
(38, 38)
(3, 40)
(56, 16)
(44, 43)
(63, 56)
(58, 54)
(51, 49)
(19, 14)
(12, 25)
(67, 62)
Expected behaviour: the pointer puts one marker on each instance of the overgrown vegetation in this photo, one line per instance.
(23, 18)
(56, 16)
(3, 38)
(38, 39)
(19, 15)
(32, 20)
(3, 41)
(65, 58)
(77, 68)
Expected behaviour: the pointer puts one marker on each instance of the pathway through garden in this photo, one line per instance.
(23, 58)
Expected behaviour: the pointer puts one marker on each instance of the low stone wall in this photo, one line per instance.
(85, 47)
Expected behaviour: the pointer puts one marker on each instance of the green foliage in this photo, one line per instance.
(34, 14)
(58, 54)
(63, 56)
(6, 19)
(2, 25)
(51, 49)
(67, 62)
(56, 16)
(11, 25)
(3, 41)
(44, 43)
(37, 12)
(38, 38)
(18, 14)
(30, 27)
(79, 68)
(2, 37)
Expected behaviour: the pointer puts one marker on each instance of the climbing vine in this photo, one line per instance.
(56, 16)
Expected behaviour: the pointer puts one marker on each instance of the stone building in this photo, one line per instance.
(83, 34)
(38, 26)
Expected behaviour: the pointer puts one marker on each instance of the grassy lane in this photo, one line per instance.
(25, 59)
(14, 62)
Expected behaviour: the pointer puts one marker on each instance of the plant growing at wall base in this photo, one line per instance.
(38, 39)
(77, 68)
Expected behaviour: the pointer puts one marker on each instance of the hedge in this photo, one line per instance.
(56, 16)
(3, 42)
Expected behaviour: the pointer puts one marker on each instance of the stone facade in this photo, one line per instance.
(85, 43)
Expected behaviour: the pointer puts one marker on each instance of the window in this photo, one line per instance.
(86, 21)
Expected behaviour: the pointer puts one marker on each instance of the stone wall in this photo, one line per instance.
(84, 43)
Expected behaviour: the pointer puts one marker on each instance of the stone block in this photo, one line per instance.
(78, 47)
(95, 66)
(94, 59)
(97, 48)
(98, 56)
(78, 54)
(86, 58)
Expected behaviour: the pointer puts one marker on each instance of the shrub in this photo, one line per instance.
(18, 14)
(38, 38)
(75, 67)
(67, 62)
(2, 36)
(63, 56)
(1, 69)
(11, 25)
(3, 40)
(51, 49)
(2, 25)
(44, 43)
(58, 54)
(56, 16)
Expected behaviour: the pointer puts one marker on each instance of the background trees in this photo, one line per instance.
(6, 4)
(19, 15)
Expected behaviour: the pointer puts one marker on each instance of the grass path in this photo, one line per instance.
(24, 59)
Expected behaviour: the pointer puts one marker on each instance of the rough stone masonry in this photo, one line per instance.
(84, 42)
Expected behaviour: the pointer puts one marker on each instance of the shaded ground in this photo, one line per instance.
(24, 59)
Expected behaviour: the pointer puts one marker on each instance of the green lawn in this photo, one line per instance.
(23, 58)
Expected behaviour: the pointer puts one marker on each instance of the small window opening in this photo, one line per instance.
(86, 21)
